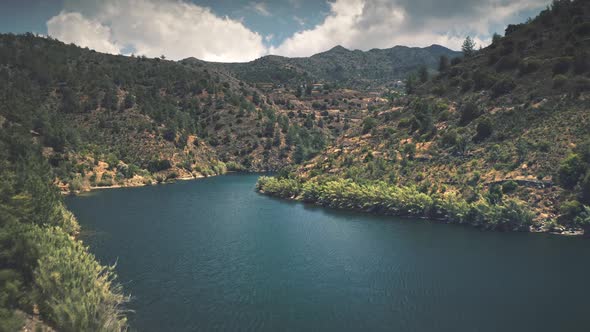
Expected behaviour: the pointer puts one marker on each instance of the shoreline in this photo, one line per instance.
(134, 185)
(138, 185)
(566, 233)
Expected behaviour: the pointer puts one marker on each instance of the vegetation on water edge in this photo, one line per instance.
(42, 264)
(380, 197)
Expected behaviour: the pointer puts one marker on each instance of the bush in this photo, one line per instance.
(569, 210)
(450, 138)
(585, 188)
(159, 165)
(469, 112)
(483, 80)
(559, 81)
(285, 188)
(369, 124)
(508, 62)
(503, 87)
(562, 65)
(484, 130)
(570, 171)
(509, 187)
(582, 29)
(581, 84)
(581, 62)
(466, 85)
(529, 66)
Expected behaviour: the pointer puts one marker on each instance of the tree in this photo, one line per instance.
(409, 150)
(369, 124)
(411, 84)
(496, 38)
(570, 171)
(443, 63)
(129, 101)
(469, 112)
(484, 130)
(423, 73)
(468, 47)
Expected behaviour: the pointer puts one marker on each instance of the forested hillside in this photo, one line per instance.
(499, 139)
(106, 120)
(339, 66)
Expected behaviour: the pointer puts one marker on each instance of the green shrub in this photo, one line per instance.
(466, 85)
(559, 81)
(278, 187)
(581, 62)
(484, 130)
(562, 65)
(233, 166)
(469, 112)
(581, 84)
(509, 187)
(569, 210)
(503, 87)
(529, 66)
(159, 165)
(449, 138)
(583, 219)
(571, 170)
(483, 80)
(585, 188)
(368, 124)
(582, 29)
(508, 62)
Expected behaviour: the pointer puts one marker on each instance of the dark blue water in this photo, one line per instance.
(214, 255)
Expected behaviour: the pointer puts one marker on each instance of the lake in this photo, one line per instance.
(214, 255)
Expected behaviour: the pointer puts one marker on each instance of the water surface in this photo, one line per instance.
(212, 255)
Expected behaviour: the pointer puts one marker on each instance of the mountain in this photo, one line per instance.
(353, 69)
(109, 120)
(498, 139)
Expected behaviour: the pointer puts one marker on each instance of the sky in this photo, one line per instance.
(244, 30)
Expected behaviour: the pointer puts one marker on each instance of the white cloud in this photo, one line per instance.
(152, 28)
(181, 29)
(260, 8)
(75, 28)
(366, 24)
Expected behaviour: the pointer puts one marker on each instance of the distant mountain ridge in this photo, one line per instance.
(354, 68)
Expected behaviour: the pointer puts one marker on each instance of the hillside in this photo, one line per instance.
(499, 139)
(353, 69)
(109, 120)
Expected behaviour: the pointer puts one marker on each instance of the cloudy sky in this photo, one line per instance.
(243, 30)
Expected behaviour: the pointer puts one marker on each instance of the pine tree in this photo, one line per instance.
(423, 73)
(468, 47)
(443, 63)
